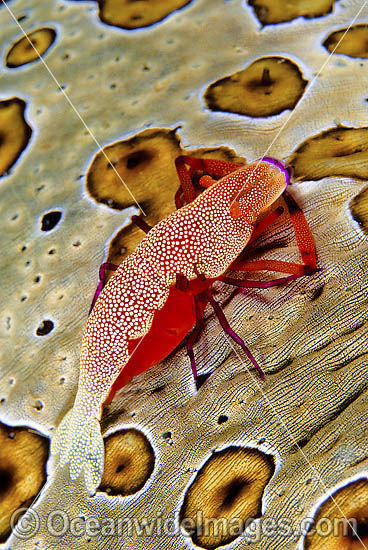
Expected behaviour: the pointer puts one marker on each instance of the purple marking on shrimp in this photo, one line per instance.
(101, 284)
(287, 170)
(228, 330)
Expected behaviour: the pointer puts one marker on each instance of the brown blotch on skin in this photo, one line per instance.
(129, 462)
(359, 209)
(23, 456)
(340, 151)
(265, 88)
(351, 501)
(270, 12)
(354, 43)
(229, 485)
(22, 52)
(146, 162)
(135, 14)
(15, 133)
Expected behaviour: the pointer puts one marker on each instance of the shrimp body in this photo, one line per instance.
(203, 237)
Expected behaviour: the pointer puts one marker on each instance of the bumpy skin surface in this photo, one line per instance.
(202, 237)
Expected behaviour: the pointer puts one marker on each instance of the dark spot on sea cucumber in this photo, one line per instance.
(50, 220)
(317, 293)
(45, 328)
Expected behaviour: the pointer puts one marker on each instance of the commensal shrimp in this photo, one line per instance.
(158, 293)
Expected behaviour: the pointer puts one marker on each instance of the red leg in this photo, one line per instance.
(206, 181)
(139, 222)
(193, 337)
(182, 284)
(303, 234)
(303, 237)
(247, 283)
(101, 284)
(272, 265)
(212, 166)
(266, 222)
(186, 185)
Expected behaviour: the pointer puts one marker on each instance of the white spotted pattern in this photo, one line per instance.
(202, 236)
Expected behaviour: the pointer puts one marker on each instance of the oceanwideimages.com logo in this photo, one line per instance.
(26, 523)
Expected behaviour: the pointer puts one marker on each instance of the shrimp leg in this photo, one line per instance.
(192, 338)
(303, 237)
(266, 222)
(228, 330)
(139, 222)
(303, 234)
(102, 276)
(214, 167)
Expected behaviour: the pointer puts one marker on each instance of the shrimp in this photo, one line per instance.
(194, 245)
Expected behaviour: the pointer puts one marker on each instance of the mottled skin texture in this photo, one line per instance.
(203, 237)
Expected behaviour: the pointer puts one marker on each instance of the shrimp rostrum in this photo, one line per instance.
(157, 295)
